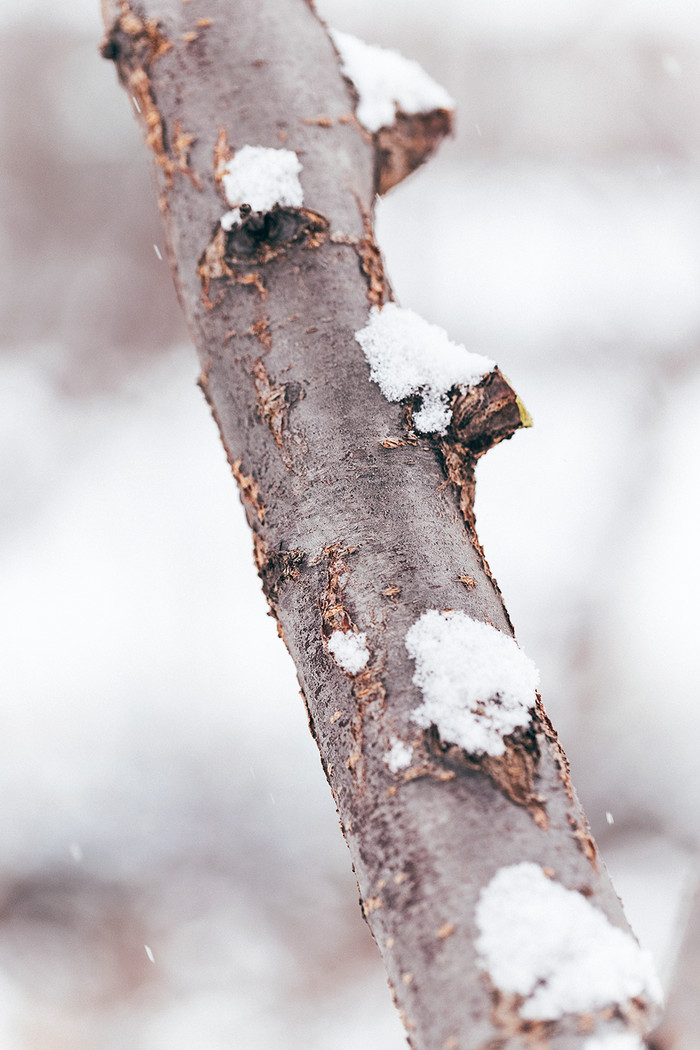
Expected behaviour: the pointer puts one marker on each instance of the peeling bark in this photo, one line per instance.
(359, 523)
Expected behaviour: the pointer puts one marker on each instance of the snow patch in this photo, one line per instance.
(550, 945)
(349, 651)
(477, 685)
(408, 355)
(398, 756)
(230, 219)
(616, 1041)
(387, 82)
(262, 178)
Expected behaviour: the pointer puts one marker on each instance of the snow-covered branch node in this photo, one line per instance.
(387, 83)
(407, 113)
(260, 178)
(551, 946)
(408, 356)
(477, 684)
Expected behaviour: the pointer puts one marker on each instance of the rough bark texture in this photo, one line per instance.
(358, 522)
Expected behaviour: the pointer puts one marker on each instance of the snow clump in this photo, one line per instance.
(398, 756)
(408, 355)
(617, 1041)
(349, 651)
(477, 685)
(386, 81)
(262, 178)
(553, 947)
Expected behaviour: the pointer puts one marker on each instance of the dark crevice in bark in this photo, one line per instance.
(255, 242)
(277, 567)
(262, 236)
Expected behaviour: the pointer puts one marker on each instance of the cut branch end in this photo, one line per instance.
(487, 414)
(406, 144)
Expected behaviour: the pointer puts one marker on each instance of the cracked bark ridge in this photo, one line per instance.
(359, 523)
(368, 689)
(134, 43)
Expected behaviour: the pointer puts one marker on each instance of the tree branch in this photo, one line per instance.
(360, 523)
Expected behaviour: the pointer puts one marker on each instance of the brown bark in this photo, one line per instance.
(358, 523)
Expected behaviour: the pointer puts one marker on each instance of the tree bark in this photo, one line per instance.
(359, 523)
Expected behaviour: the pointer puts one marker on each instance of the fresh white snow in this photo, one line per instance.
(262, 178)
(387, 82)
(230, 218)
(398, 756)
(349, 650)
(615, 1041)
(477, 685)
(408, 355)
(550, 945)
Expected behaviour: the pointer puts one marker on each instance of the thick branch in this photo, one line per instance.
(360, 524)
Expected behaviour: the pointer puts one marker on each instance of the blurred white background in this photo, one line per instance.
(172, 873)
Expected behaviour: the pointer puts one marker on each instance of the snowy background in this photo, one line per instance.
(171, 872)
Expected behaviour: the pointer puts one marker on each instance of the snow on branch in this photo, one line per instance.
(398, 756)
(386, 82)
(477, 685)
(327, 487)
(261, 178)
(551, 946)
(349, 650)
(409, 356)
(615, 1041)
(405, 110)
